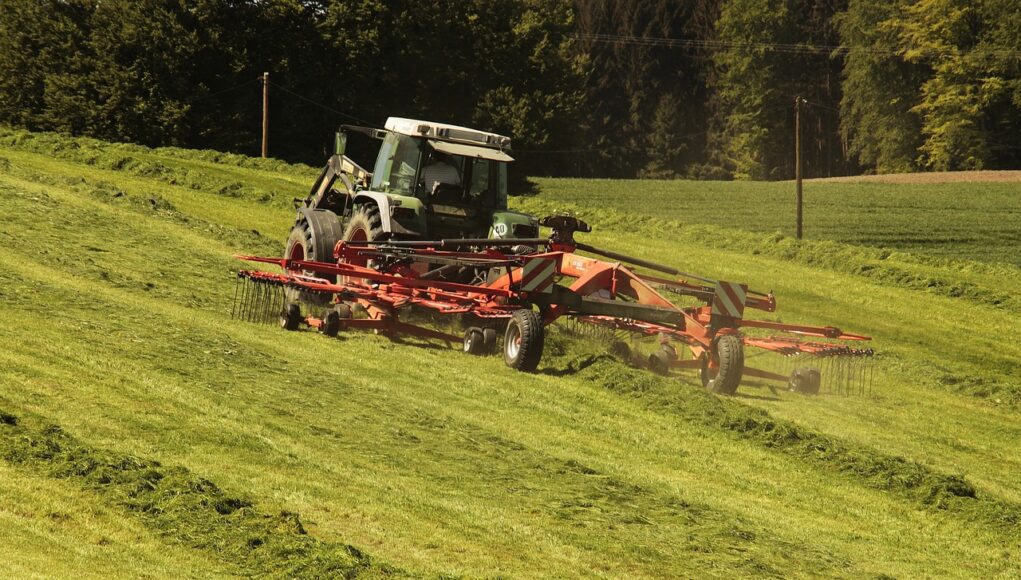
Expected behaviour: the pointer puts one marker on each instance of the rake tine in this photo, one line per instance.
(261, 304)
(278, 298)
(248, 300)
(234, 304)
(245, 297)
(264, 315)
(257, 315)
(255, 303)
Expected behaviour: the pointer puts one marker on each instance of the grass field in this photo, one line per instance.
(145, 433)
(978, 220)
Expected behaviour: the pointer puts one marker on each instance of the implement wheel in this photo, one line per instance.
(725, 378)
(474, 341)
(659, 363)
(290, 318)
(523, 341)
(806, 381)
(331, 324)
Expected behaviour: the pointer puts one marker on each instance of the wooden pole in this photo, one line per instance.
(265, 114)
(797, 160)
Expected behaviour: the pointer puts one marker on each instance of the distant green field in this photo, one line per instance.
(144, 433)
(977, 221)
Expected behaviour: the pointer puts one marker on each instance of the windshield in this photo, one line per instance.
(397, 164)
(489, 182)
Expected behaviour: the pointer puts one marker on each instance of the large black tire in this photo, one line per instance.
(523, 341)
(730, 355)
(313, 236)
(364, 225)
(312, 239)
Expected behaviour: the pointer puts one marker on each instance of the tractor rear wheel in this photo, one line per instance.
(523, 341)
(726, 377)
(364, 225)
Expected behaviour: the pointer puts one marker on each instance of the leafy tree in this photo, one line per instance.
(768, 60)
(880, 87)
(646, 101)
(37, 40)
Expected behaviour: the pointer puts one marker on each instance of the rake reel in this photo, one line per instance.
(515, 288)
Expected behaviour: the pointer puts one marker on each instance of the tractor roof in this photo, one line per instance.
(454, 133)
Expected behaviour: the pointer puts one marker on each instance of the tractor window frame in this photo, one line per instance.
(404, 150)
(494, 195)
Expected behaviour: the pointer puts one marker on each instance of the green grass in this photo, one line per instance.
(974, 221)
(411, 458)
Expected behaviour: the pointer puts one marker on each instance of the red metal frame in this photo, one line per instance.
(602, 293)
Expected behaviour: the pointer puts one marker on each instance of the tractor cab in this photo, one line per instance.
(430, 181)
(458, 174)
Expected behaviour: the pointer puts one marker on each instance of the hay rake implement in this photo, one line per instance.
(506, 291)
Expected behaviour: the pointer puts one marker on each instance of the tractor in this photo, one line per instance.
(428, 231)
(430, 181)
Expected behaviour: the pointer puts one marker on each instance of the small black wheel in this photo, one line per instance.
(331, 324)
(290, 318)
(806, 381)
(523, 341)
(343, 310)
(659, 362)
(724, 379)
(489, 339)
(474, 341)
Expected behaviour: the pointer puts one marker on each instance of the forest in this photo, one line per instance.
(704, 89)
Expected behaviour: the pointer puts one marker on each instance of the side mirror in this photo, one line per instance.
(340, 143)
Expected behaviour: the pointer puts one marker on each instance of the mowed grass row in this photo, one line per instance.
(446, 465)
(944, 393)
(975, 221)
(50, 529)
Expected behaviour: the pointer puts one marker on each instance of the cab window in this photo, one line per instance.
(397, 165)
(489, 183)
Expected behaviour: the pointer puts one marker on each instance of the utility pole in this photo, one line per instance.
(265, 117)
(797, 158)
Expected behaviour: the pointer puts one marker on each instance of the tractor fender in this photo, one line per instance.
(387, 204)
(325, 229)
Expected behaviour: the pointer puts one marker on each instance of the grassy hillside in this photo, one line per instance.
(146, 433)
(975, 221)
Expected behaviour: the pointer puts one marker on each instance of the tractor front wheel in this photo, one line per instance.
(523, 341)
(312, 239)
(725, 378)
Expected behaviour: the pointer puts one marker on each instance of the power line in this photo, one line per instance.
(227, 90)
(322, 106)
(781, 47)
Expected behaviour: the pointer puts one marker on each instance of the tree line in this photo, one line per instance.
(611, 88)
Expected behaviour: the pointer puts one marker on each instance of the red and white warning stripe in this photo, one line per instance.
(729, 299)
(537, 275)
